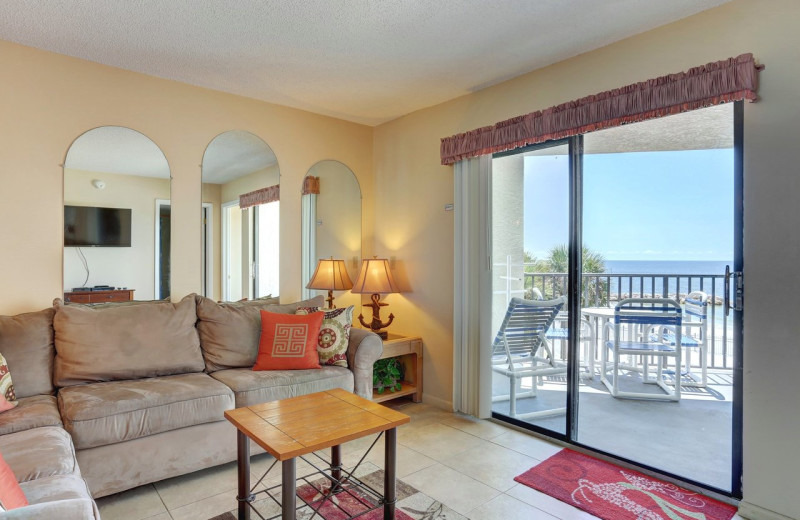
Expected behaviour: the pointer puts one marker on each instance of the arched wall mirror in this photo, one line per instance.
(240, 218)
(117, 224)
(331, 223)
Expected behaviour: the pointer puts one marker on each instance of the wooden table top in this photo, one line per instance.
(299, 425)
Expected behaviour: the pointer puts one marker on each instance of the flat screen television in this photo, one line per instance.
(86, 226)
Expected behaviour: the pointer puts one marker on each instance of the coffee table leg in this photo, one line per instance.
(390, 460)
(243, 456)
(288, 490)
(336, 466)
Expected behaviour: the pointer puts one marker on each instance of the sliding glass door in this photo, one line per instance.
(646, 217)
(658, 222)
(530, 237)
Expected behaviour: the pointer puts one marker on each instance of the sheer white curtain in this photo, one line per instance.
(472, 377)
(309, 241)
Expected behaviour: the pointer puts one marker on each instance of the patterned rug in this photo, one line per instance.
(411, 503)
(615, 493)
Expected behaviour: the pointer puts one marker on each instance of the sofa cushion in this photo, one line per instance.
(105, 413)
(26, 341)
(39, 453)
(229, 332)
(11, 495)
(251, 387)
(67, 509)
(125, 342)
(31, 412)
(56, 488)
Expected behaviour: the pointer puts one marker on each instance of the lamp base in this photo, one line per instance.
(376, 325)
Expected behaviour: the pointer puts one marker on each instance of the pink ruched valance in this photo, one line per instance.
(262, 196)
(733, 79)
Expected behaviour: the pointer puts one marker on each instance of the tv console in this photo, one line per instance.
(99, 296)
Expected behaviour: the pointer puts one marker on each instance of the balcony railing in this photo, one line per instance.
(605, 289)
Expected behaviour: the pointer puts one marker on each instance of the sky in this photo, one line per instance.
(636, 206)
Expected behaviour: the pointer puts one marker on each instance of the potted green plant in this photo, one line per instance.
(387, 374)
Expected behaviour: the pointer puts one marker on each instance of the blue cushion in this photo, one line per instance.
(641, 345)
(686, 341)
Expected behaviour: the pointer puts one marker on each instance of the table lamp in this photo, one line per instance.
(375, 278)
(330, 275)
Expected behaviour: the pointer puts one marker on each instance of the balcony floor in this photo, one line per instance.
(690, 438)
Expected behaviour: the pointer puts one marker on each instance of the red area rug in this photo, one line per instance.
(615, 493)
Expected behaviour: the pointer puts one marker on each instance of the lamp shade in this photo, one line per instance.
(330, 275)
(375, 277)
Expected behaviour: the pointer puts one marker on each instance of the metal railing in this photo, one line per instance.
(604, 289)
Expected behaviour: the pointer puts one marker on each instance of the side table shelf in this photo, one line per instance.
(409, 350)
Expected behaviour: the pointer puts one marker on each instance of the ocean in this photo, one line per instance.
(684, 276)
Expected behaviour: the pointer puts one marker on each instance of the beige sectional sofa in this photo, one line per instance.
(119, 395)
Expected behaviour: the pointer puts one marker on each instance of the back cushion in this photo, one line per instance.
(26, 341)
(125, 342)
(230, 332)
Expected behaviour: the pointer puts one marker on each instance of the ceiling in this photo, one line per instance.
(119, 150)
(234, 154)
(367, 61)
(709, 128)
(115, 149)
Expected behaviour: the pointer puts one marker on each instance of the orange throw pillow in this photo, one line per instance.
(288, 341)
(5, 404)
(11, 495)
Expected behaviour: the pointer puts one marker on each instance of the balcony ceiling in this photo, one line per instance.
(367, 61)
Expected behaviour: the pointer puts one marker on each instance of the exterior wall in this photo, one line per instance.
(411, 188)
(508, 230)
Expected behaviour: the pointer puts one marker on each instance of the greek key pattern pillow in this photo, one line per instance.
(6, 386)
(334, 334)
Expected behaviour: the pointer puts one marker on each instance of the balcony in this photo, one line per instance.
(690, 438)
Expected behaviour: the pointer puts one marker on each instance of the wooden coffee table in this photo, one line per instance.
(298, 426)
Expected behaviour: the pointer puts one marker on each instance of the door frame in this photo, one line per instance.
(226, 239)
(574, 272)
(157, 250)
(208, 250)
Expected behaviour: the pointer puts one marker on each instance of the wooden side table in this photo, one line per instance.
(409, 350)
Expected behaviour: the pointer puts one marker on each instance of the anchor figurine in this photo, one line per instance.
(377, 324)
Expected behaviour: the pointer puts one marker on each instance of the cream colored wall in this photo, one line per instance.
(132, 267)
(411, 188)
(49, 100)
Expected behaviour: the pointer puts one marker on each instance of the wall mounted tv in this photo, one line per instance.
(86, 226)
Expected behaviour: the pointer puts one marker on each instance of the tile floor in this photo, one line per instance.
(431, 457)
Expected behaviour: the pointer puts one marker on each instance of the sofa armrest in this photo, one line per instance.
(364, 349)
(68, 509)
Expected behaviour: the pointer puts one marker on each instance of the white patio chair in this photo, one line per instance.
(559, 332)
(520, 350)
(695, 318)
(640, 315)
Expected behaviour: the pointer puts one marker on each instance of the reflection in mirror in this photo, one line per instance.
(240, 218)
(331, 222)
(116, 218)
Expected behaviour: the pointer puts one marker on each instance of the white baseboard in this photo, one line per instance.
(437, 402)
(754, 512)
